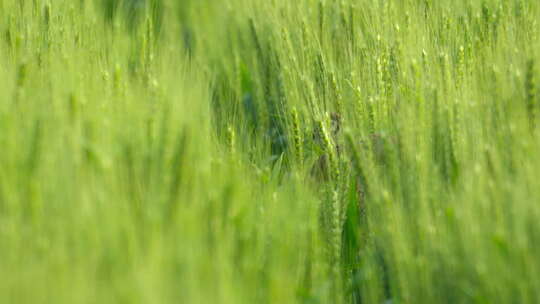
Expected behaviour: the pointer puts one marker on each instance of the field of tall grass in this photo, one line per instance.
(269, 151)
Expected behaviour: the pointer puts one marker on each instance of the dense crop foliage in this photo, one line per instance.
(269, 151)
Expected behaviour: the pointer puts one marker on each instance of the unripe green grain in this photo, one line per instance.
(530, 93)
(231, 139)
(149, 42)
(444, 64)
(297, 136)
(337, 92)
(336, 230)
(380, 74)
(460, 64)
(329, 148)
(359, 106)
(425, 57)
(305, 37)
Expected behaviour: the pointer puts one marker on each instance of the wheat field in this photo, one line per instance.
(269, 151)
